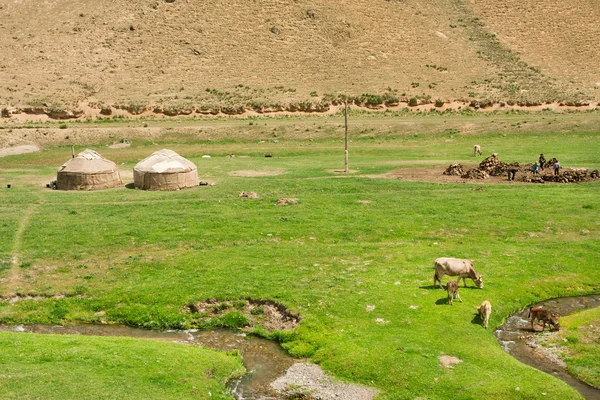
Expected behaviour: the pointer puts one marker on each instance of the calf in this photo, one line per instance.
(452, 288)
(485, 310)
(477, 150)
(456, 267)
(543, 316)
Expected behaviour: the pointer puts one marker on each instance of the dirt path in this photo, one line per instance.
(14, 271)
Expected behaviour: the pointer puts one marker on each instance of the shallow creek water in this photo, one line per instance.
(518, 340)
(264, 360)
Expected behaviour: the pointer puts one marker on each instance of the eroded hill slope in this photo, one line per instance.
(230, 56)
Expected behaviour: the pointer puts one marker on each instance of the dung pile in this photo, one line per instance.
(531, 178)
(572, 175)
(550, 163)
(493, 166)
(454, 169)
(475, 174)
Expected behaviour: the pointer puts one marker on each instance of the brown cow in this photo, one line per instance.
(452, 288)
(456, 267)
(543, 316)
(485, 310)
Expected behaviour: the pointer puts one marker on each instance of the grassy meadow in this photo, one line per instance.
(578, 343)
(353, 241)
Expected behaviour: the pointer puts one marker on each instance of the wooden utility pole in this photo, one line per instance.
(346, 136)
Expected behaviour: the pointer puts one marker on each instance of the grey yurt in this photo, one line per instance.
(165, 170)
(87, 171)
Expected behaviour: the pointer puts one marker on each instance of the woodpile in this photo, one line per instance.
(475, 174)
(454, 169)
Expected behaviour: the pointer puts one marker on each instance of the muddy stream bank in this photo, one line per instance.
(271, 374)
(518, 340)
(264, 360)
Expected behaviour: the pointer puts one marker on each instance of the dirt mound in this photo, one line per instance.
(268, 314)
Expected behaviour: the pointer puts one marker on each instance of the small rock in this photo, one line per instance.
(205, 156)
(203, 183)
(275, 30)
(370, 308)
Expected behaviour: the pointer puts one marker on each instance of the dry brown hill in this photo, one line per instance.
(228, 56)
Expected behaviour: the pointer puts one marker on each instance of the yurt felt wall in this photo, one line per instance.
(87, 171)
(165, 170)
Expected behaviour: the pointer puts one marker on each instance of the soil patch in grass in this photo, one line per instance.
(246, 173)
(523, 176)
(449, 361)
(241, 313)
(24, 149)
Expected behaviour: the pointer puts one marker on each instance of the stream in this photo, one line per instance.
(264, 360)
(518, 340)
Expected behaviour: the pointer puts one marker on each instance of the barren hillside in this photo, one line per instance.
(63, 56)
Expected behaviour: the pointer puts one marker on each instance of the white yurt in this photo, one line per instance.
(87, 171)
(165, 170)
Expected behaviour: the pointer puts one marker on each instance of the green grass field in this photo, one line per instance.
(578, 343)
(351, 242)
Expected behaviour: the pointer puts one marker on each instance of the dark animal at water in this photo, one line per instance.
(456, 267)
(452, 288)
(543, 316)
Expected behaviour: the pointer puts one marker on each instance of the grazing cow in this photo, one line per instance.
(456, 267)
(543, 316)
(485, 310)
(452, 288)
(477, 150)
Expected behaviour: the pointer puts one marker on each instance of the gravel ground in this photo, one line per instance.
(310, 379)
